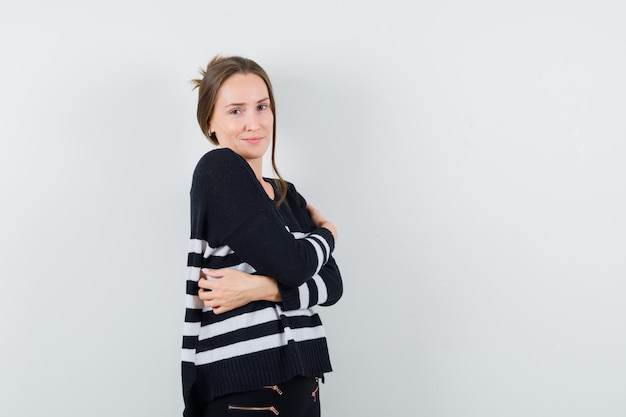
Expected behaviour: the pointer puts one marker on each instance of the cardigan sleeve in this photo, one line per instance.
(229, 207)
(323, 289)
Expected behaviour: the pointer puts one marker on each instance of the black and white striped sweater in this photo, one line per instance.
(235, 225)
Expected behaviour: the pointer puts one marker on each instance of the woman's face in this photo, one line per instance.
(242, 119)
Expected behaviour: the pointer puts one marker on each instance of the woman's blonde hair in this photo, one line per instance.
(219, 70)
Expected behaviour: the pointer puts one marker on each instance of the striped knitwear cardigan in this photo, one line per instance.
(234, 224)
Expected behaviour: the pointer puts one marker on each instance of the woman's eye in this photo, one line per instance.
(235, 111)
(263, 107)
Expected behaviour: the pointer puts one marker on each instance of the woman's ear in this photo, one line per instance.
(211, 134)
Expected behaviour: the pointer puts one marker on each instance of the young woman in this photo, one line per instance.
(260, 257)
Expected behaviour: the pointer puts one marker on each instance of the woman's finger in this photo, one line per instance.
(207, 284)
(214, 273)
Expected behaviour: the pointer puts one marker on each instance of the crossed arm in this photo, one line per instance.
(232, 288)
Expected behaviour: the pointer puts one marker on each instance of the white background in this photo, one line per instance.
(472, 155)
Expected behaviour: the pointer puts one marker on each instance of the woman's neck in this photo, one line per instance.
(257, 168)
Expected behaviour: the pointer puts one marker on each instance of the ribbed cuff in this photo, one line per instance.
(328, 236)
(290, 297)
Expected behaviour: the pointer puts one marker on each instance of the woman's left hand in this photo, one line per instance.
(230, 288)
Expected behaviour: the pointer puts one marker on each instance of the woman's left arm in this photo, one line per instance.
(227, 289)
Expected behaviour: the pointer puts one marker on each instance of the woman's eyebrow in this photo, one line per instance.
(242, 104)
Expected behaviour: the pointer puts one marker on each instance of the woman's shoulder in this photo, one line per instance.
(221, 156)
(222, 161)
(222, 172)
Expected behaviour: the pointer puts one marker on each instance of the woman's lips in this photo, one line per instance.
(253, 140)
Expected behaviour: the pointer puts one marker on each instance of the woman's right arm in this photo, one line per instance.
(324, 288)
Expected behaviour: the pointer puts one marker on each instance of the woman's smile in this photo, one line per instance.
(253, 140)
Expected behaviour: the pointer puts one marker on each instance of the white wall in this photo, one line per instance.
(471, 153)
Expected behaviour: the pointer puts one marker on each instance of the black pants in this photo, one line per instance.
(296, 398)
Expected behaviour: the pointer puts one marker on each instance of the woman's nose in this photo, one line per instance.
(252, 122)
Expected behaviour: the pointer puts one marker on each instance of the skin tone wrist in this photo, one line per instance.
(266, 289)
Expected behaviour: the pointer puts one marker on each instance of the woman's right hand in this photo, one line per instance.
(320, 221)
